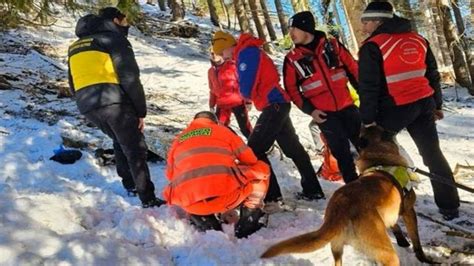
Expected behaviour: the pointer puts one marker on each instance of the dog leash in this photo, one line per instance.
(441, 179)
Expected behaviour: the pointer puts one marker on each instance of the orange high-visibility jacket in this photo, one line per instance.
(202, 163)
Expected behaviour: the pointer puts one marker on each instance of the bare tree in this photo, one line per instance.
(353, 10)
(268, 20)
(258, 24)
(404, 8)
(213, 13)
(162, 5)
(241, 16)
(458, 57)
(282, 17)
(226, 13)
(177, 10)
(463, 36)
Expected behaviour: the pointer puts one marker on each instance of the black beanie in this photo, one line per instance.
(303, 21)
(377, 10)
(111, 13)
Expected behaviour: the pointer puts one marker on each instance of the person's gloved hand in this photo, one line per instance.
(212, 109)
(318, 116)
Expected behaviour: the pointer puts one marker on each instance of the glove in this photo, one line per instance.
(212, 109)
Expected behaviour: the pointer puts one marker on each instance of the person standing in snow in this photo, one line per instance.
(400, 88)
(225, 95)
(211, 171)
(104, 77)
(315, 73)
(259, 82)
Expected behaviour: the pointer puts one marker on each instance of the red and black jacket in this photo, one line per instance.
(316, 75)
(396, 67)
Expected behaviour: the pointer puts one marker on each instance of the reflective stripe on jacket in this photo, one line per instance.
(403, 56)
(202, 163)
(308, 78)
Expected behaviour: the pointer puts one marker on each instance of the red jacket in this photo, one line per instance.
(224, 86)
(404, 66)
(311, 84)
(262, 86)
(202, 163)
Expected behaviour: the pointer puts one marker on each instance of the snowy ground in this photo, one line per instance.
(79, 213)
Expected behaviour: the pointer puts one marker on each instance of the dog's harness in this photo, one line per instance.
(403, 178)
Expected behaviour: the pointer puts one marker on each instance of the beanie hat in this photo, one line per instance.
(221, 41)
(377, 10)
(303, 21)
(111, 13)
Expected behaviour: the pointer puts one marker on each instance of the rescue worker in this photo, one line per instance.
(104, 77)
(400, 88)
(212, 171)
(225, 95)
(259, 82)
(316, 72)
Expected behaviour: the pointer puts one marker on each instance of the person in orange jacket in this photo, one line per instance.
(225, 95)
(211, 171)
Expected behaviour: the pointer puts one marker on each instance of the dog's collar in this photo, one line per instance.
(404, 176)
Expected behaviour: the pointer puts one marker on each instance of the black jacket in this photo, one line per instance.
(101, 38)
(373, 89)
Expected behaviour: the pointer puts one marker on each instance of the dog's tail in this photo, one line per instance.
(306, 242)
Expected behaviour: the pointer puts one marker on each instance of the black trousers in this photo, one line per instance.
(339, 128)
(241, 115)
(419, 120)
(274, 123)
(120, 123)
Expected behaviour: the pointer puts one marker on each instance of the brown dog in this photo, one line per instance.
(359, 212)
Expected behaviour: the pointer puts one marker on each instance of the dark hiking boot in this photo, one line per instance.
(249, 222)
(132, 192)
(205, 222)
(153, 203)
(449, 214)
(310, 196)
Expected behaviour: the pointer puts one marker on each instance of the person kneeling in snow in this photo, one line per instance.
(211, 171)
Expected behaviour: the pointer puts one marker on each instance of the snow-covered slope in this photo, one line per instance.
(79, 214)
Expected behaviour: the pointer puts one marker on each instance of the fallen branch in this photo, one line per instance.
(454, 227)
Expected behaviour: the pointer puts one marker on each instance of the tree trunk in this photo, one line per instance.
(268, 21)
(226, 13)
(162, 5)
(213, 13)
(461, 70)
(464, 40)
(176, 10)
(353, 10)
(297, 7)
(258, 25)
(403, 6)
(282, 18)
(241, 16)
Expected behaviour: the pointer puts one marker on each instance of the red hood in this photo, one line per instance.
(246, 40)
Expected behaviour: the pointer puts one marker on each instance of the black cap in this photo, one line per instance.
(377, 10)
(111, 13)
(303, 21)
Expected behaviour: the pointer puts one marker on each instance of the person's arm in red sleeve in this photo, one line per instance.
(243, 152)
(350, 65)
(290, 82)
